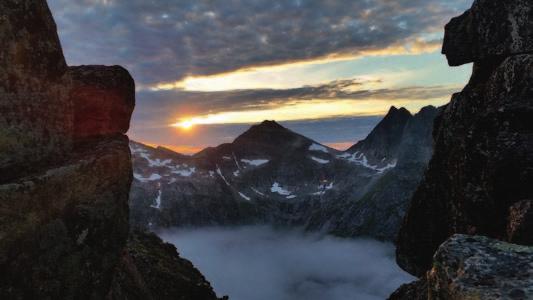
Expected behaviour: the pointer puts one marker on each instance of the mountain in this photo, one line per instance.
(65, 177)
(477, 193)
(270, 174)
(382, 144)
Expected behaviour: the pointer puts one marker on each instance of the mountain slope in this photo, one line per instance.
(270, 174)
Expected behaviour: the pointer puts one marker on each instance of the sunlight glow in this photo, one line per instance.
(309, 109)
(186, 125)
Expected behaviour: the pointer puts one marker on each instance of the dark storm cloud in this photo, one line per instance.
(172, 103)
(163, 41)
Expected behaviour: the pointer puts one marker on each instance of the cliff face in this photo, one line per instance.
(483, 163)
(65, 173)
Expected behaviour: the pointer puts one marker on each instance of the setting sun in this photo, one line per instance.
(185, 125)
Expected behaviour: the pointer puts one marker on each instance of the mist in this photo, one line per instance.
(258, 262)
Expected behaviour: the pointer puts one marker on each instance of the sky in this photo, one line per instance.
(205, 70)
(260, 263)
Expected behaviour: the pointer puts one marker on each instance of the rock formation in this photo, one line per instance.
(475, 267)
(483, 163)
(65, 175)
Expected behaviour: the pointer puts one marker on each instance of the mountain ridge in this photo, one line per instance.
(268, 174)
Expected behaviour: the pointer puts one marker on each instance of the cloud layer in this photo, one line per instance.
(168, 105)
(258, 263)
(164, 41)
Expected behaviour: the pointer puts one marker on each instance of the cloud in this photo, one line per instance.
(256, 263)
(166, 41)
(165, 107)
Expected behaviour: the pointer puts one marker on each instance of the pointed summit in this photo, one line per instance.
(384, 139)
(267, 131)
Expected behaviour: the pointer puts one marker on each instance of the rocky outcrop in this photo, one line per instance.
(103, 99)
(35, 119)
(520, 223)
(65, 172)
(152, 269)
(475, 267)
(483, 163)
(488, 30)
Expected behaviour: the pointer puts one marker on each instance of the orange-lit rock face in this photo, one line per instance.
(103, 98)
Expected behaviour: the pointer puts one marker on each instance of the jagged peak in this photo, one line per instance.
(393, 111)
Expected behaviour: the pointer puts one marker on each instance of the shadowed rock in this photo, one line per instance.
(520, 223)
(65, 174)
(482, 163)
(489, 29)
(474, 267)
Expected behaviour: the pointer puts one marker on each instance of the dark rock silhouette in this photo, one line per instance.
(520, 223)
(483, 163)
(65, 176)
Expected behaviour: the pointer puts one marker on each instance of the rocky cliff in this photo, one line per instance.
(65, 175)
(479, 179)
(483, 163)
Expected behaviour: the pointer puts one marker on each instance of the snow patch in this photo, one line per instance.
(186, 172)
(320, 161)
(323, 188)
(244, 196)
(154, 162)
(276, 188)
(389, 166)
(291, 197)
(255, 162)
(317, 147)
(360, 159)
(158, 198)
(219, 172)
(236, 173)
(257, 192)
(152, 177)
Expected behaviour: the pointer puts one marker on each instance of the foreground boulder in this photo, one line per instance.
(475, 267)
(65, 176)
(483, 159)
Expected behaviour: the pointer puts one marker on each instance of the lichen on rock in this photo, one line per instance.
(474, 268)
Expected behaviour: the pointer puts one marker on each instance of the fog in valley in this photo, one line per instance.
(259, 262)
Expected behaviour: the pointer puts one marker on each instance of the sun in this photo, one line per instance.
(185, 125)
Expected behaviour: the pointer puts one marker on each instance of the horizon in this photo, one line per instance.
(363, 133)
(204, 70)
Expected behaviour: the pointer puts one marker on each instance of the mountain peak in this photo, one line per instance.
(270, 124)
(386, 136)
(397, 111)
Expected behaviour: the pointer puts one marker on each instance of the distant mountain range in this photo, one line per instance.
(272, 175)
